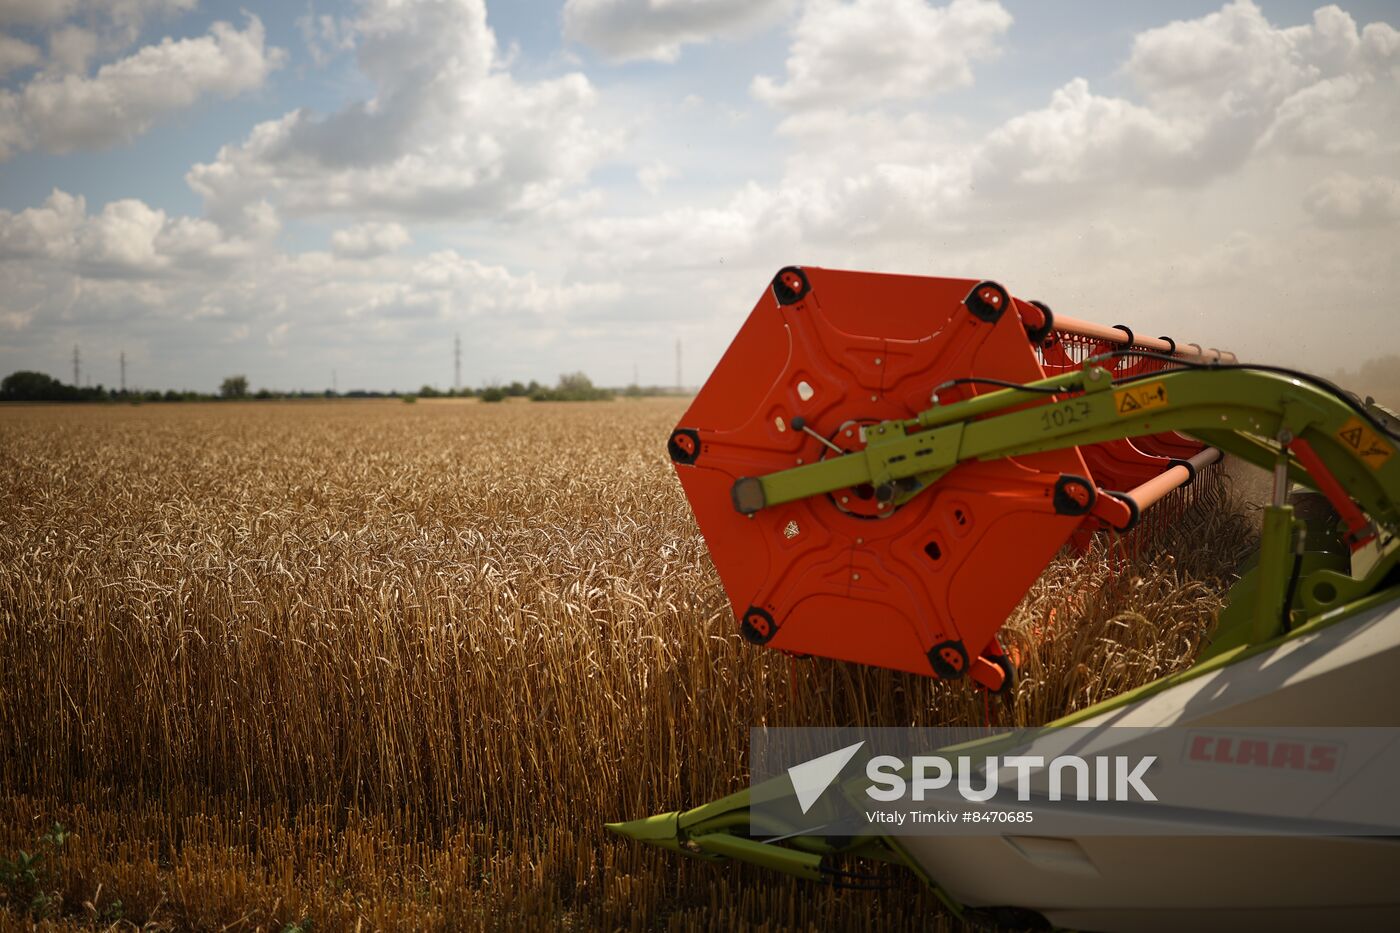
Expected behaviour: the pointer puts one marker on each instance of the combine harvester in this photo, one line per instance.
(882, 465)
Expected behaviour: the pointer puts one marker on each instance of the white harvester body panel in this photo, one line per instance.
(1341, 675)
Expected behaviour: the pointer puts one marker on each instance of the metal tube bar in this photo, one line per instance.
(1115, 335)
(1152, 491)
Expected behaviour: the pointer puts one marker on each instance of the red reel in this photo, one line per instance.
(921, 587)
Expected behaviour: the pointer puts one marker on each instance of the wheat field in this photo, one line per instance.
(367, 665)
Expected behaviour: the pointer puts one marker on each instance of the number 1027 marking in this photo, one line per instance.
(1065, 413)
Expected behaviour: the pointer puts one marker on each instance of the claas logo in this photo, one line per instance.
(1275, 754)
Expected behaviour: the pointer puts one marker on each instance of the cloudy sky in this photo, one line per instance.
(286, 189)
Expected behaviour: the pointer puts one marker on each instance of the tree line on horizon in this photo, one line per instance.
(30, 386)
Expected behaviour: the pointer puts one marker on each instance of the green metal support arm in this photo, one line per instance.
(1243, 412)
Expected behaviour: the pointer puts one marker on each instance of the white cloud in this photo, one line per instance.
(71, 48)
(132, 13)
(1343, 200)
(113, 24)
(180, 283)
(877, 51)
(126, 239)
(363, 241)
(680, 237)
(42, 231)
(325, 36)
(123, 236)
(1081, 137)
(654, 175)
(657, 29)
(125, 98)
(35, 11)
(16, 54)
(1166, 201)
(1318, 119)
(448, 134)
(1218, 91)
(1233, 58)
(1244, 83)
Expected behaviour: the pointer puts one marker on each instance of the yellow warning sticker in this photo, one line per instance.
(1134, 399)
(1365, 443)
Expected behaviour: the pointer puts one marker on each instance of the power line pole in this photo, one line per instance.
(457, 363)
(76, 383)
(123, 361)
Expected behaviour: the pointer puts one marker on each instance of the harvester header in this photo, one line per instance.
(882, 465)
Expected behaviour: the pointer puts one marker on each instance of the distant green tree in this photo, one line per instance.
(493, 394)
(234, 387)
(572, 387)
(26, 386)
(574, 384)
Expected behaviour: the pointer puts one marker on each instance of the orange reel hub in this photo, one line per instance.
(920, 587)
